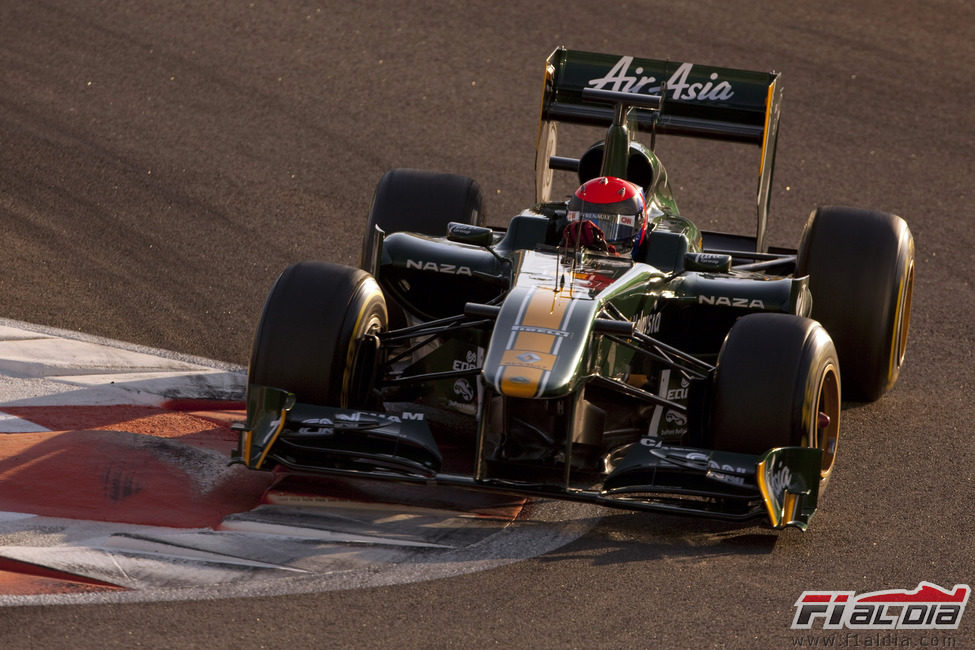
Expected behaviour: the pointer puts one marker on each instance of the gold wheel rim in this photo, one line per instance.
(827, 425)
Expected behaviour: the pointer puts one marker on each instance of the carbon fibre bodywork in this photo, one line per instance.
(518, 365)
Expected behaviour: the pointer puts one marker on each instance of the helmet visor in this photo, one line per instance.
(618, 229)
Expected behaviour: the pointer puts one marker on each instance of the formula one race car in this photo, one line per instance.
(602, 349)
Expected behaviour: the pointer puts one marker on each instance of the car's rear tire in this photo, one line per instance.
(315, 338)
(413, 200)
(860, 265)
(777, 384)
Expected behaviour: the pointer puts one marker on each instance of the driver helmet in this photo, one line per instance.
(617, 207)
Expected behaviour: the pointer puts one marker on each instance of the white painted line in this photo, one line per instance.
(263, 528)
(13, 424)
(45, 367)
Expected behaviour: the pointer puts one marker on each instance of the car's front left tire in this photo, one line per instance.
(860, 265)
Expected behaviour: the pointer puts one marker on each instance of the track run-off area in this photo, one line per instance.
(115, 487)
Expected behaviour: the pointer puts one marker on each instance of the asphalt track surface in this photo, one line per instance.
(161, 164)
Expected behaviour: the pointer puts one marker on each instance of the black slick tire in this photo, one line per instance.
(860, 265)
(423, 202)
(312, 337)
(777, 384)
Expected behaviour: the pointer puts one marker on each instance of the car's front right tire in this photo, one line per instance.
(423, 202)
(316, 336)
(777, 384)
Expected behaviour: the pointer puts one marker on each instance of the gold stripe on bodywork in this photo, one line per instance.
(768, 120)
(522, 377)
(773, 513)
(520, 382)
(790, 507)
(270, 443)
(534, 342)
(545, 309)
(245, 446)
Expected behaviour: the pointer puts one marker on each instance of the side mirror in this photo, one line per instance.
(465, 233)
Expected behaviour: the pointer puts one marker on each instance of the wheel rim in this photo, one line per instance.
(905, 315)
(827, 424)
(358, 363)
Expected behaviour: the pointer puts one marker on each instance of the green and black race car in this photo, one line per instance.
(602, 349)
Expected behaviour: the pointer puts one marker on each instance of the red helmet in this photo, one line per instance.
(616, 206)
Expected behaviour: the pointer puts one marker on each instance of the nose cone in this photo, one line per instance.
(538, 343)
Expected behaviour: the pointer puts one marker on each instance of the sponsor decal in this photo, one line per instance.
(722, 477)
(649, 323)
(541, 330)
(462, 388)
(710, 259)
(325, 425)
(721, 467)
(620, 79)
(665, 422)
(470, 361)
(676, 394)
(463, 228)
(725, 301)
(624, 219)
(717, 466)
(528, 359)
(465, 393)
(674, 425)
(779, 478)
(438, 267)
(928, 607)
(673, 417)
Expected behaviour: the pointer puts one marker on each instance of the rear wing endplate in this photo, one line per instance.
(698, 101)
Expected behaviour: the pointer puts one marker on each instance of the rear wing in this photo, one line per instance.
(698, 101)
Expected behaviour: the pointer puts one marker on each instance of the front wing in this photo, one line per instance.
(782, 484)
